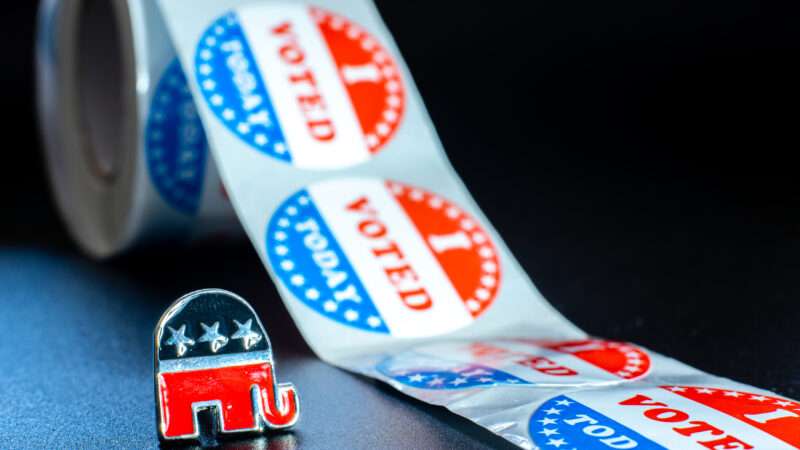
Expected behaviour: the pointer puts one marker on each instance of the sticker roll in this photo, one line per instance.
(125, 149)
(382, 258)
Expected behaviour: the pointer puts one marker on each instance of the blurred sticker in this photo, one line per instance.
(458, 365)
(383, 257)
(300, 84)
(675, 417)
(175, 143)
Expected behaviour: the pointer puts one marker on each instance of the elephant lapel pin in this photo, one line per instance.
(212, 354)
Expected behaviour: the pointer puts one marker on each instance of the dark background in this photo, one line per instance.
(638, 157)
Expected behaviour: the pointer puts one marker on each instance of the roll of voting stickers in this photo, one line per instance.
(300, 124)
(125, 148)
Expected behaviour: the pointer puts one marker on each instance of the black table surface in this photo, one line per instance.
(637, 158)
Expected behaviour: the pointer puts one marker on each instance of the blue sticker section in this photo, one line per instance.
(306, 257)
(562, 422)
(461, 377)
(230, 80)
(175, 143)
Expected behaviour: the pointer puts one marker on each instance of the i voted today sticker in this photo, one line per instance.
(666, 417)
(300, 84)
(175, 143)
(383, 257)
(459, 365)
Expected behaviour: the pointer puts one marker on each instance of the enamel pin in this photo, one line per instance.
(213, 354)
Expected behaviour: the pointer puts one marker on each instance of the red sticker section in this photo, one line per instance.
(622, 359)
(369, 75)
(461, 247)
(574, 362)
(773, 415)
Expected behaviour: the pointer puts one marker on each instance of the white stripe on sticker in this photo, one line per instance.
(446, 312)
(314, 109)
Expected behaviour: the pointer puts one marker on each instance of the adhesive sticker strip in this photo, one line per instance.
(387, 266)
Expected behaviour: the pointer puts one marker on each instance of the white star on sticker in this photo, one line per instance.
(704, 391)
(564, 402)
(783, 403)
(216, 99)
(458, 381)
(732, 394)
(372, 140)
(249, 337)
(330, 306)
(416, 378)
(374, 321)
(297, 280)
(549, 431)
(261, 139)
(179, 340)
(228, 114)
(436, 381)
(351, 315)
(486, 380)
(677, 389)
(312, 294)
(556, 442)
(213, 337)
(758, 398)
(548, 421)
(552, 411)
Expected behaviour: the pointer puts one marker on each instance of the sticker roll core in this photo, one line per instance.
(125, 150)
(300, 125)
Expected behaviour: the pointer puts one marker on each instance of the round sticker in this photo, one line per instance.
(459, 365)
(383, 257)
(175, 144)
(300, 84)
(666, 417)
